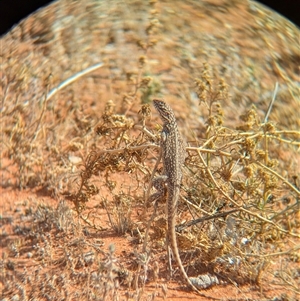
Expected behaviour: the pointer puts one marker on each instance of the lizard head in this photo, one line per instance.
(164, 110)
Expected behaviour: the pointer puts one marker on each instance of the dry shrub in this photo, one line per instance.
(239, 202)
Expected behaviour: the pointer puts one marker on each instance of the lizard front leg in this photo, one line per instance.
(159, 183)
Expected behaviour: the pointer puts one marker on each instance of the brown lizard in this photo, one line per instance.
(173, 156)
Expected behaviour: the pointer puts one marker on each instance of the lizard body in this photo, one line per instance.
(173, 156)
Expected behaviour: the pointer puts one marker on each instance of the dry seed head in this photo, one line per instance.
(269, 127)
(245, 127)
(151, 28)
(122, 121)
(272, 163)
(206, 79)
(146, 81)
(142, 60)
(109, 108)
(141, 44)
(214, 120)
(250, 116)
(129, 76)
(223, 87)
(152, 42)
(145, 111)
(219, 109)
(249, 144)
(248, 171)
(226, 174)
(260, 154)
(201, 90)
(154, 22)
(262, 174)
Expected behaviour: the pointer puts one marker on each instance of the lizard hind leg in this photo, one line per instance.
(160, 184)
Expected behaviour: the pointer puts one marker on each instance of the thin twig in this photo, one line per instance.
(205, 218)
(239, 206)
(128, 148)
(273, 254)
(278, 176)
(59, 87)
(198, 149)
(145, 243)
(72, 79)
(144, 129)
(271, 103)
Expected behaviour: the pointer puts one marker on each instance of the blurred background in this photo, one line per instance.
(11, 12)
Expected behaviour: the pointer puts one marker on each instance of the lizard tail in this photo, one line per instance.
(173, 242)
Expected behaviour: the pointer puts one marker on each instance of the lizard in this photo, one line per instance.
(173, 156)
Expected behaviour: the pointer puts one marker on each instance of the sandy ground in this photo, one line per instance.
(249, 47)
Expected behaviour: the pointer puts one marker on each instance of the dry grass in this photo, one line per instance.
(239, 204)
